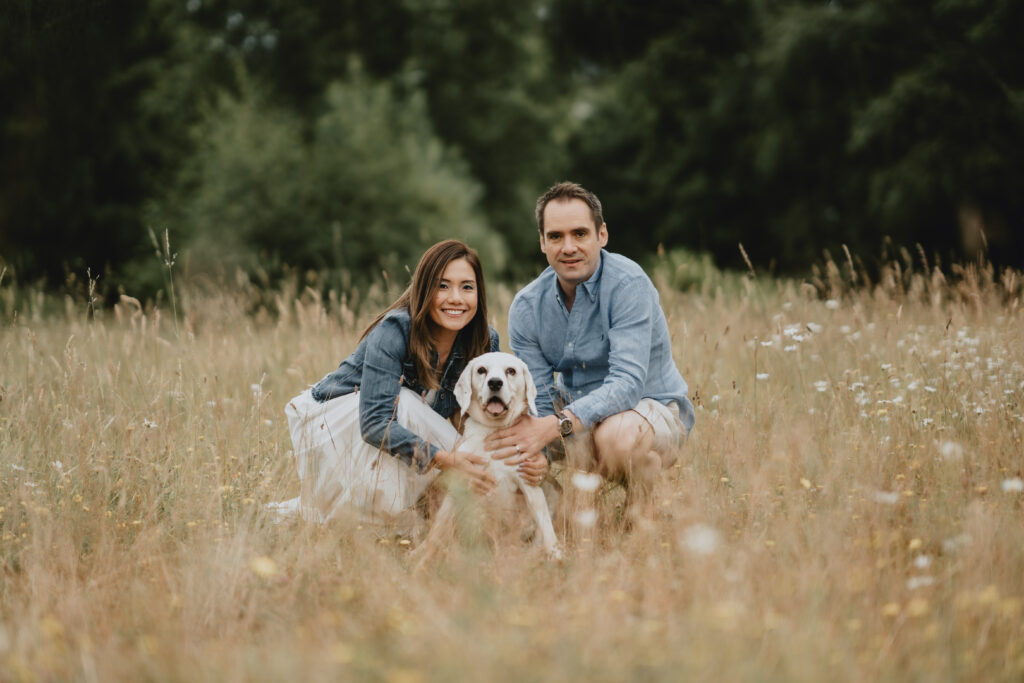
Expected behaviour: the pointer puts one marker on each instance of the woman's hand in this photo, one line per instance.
(470, 466)
(533, 469)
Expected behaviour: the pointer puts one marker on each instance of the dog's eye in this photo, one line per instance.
(481, 370)
(511, 372)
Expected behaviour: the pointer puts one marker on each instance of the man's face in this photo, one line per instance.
(571, 241)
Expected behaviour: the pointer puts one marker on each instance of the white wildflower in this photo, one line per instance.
(762, 375)
(149, 424)
(1013, 485)
(951, 545)
(815, 328)
(923, 561)
(586, 517)
(886, 497)
(915, 582)
(832, 304)
(700, 539)
(585, 481)
(951, 451)
(821, 385)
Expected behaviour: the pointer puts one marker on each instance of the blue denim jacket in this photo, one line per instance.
(611, 350)
(379, 366)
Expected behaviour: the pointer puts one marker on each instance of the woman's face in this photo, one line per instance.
(454, 303)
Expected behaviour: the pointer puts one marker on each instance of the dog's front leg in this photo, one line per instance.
(442, 531)
(538, 505)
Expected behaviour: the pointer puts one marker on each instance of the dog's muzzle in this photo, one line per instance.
(495, 406)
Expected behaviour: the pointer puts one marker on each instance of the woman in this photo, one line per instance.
(373, 434)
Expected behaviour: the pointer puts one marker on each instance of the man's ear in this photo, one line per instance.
(464, 387)
(531, 391)
(602, 235)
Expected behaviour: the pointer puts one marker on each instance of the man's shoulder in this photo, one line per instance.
(618, 269)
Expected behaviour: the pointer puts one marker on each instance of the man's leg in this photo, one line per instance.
(623, 450)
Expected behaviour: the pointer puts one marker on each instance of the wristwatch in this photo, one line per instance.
(564, 424)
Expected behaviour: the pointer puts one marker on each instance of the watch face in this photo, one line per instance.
(565, 426)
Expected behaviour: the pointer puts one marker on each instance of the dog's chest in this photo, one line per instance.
(472, 441)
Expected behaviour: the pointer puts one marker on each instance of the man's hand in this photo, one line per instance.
(524, 439)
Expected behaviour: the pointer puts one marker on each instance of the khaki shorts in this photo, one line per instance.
(669, 435)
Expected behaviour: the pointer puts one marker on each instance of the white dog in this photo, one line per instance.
(493, 391)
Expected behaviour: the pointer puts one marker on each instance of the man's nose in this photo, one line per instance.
(494, 383)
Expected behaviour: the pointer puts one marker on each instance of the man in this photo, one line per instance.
(618, 405)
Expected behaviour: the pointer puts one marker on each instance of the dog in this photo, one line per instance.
(493, 391)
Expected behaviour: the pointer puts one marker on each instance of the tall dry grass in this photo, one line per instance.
(848, 506)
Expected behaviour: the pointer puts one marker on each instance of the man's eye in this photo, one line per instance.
(511, 372)
(481, 370)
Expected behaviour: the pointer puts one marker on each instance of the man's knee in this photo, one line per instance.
(622, 447)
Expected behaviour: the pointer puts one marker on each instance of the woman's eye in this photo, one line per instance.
(443, 285)
(511, 372)
(481, 371)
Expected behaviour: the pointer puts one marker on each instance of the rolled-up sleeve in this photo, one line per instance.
(524, 339)
(629, 333)
(378, 398)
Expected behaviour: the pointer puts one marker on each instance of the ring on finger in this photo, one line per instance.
(519, 451)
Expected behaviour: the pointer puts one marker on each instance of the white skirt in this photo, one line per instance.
(340, 473)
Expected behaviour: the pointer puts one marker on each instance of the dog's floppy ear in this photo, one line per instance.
(464, 387)
(531, 390)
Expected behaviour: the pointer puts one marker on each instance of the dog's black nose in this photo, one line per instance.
(494, 383)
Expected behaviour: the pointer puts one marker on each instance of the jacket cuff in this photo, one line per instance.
(424, 459)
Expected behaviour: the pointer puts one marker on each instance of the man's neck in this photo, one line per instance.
(568, 294)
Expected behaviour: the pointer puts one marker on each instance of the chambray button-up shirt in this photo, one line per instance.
(611, 350)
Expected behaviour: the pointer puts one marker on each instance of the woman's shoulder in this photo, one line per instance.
(495, 344)
(394, 327)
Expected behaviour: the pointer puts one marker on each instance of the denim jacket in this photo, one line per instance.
(377, 369)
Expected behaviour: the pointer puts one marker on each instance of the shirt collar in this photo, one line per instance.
(592, 286)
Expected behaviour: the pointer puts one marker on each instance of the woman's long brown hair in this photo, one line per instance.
(417, 298)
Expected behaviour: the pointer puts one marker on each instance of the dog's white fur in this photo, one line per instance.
(496, 377)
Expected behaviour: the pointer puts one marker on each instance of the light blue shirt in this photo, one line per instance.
(611, 350)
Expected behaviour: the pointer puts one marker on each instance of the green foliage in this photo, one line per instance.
(686, 270)
(359, 131)
(367, 186)
(795, 126)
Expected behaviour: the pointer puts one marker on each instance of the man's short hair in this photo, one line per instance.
(564, 192)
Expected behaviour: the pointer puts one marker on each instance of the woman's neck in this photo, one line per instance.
(444, 341)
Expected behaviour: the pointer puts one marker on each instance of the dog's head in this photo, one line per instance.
(495, 389)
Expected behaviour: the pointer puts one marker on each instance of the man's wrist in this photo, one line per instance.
(551, 432)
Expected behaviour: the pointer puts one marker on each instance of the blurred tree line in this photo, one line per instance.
(343, 135)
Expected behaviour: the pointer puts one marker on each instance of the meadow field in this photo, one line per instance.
(847, 508)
